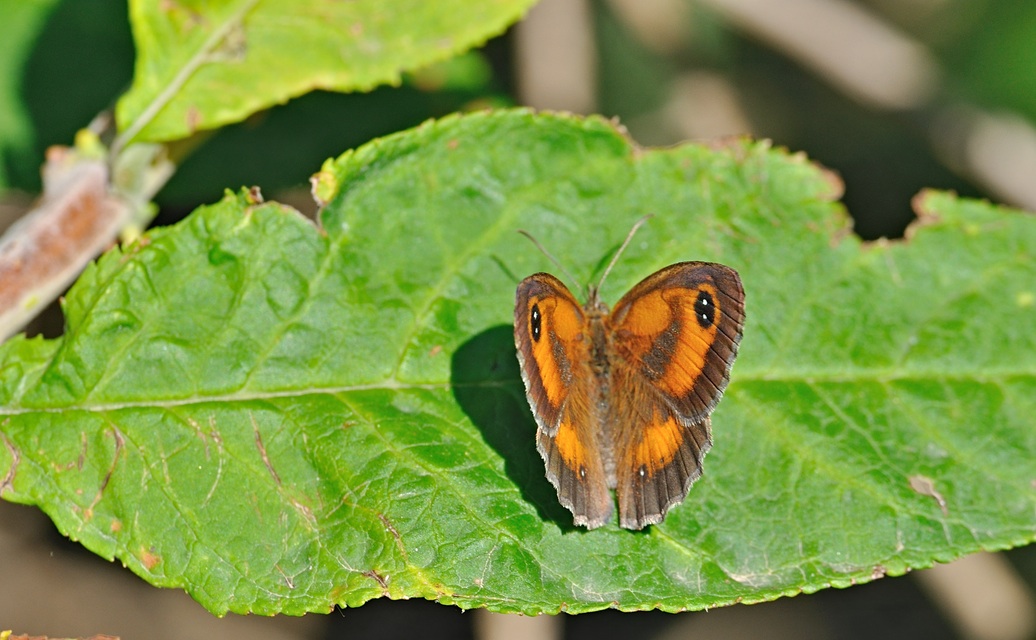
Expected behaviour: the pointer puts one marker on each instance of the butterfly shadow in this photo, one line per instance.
(488, 387)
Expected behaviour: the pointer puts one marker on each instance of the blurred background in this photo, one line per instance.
(892, 95)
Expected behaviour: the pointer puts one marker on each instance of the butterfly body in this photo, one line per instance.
(622, 397)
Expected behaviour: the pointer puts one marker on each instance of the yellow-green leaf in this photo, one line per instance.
(201, 65)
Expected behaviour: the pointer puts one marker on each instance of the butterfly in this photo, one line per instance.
(622, 398)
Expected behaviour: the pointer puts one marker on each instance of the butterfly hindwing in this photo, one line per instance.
(661, 457)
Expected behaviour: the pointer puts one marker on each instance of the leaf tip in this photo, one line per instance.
(324, 184)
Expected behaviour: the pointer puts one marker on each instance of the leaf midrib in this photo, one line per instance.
(391, 384)
(181, 77)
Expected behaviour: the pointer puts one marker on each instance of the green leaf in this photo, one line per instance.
(20, 24)
(279, 418)
(202, 65)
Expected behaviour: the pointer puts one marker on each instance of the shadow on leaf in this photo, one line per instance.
(488, 386)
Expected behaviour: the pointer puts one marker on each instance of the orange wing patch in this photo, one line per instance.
(558, 322)
(692, 344)
(571, 447)
(542, 351)
(658, 444)
(649, 315)
(565, 321)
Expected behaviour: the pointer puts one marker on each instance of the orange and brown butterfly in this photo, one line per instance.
(622, 398)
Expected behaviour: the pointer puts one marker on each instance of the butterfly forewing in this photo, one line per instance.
(680, 328)
(553, 343)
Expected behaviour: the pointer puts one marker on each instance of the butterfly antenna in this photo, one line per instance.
(557, 263)
(629, 236)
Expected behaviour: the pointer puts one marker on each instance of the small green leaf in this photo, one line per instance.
(201, 65)
(278, 418)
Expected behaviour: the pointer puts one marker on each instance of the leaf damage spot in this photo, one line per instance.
(16, 457)
(149, 558)
(262, 452)
(377, 577)
(926, 487)
(395, 534)
(287, 579)
(480, 582)
(307, 514)
(754, 580)
(80, 462)
(255, 195)
(120, 442)
(233, 47)
(193, 118)
(133, 247)
(201, 435)
(926, 214)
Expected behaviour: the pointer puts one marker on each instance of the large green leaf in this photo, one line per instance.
(281, 418)
(201, 65)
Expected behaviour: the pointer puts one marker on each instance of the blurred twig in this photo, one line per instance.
(85, 206)
(983, 596)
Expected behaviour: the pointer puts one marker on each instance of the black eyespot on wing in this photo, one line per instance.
(705, 309)
(535, 321)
